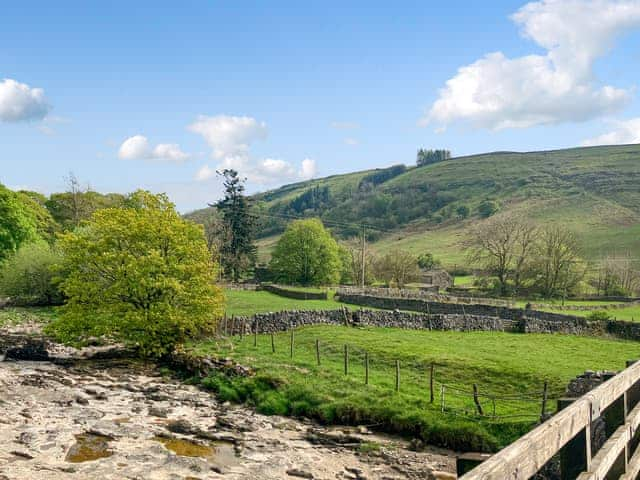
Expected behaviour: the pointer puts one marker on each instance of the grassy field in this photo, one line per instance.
(245, 302)
(627, 314)
(503, 365)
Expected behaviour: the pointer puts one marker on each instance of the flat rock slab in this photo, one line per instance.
(119, 419)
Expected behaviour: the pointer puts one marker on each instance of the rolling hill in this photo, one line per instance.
(594, 191)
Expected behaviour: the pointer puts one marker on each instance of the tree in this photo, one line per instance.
(307, 254)
(618, 276)
(503, 246)
(139, 274)
(355, 266)
(69, 209)
(397, 267)
(17, 223)
(237, 247)
(27, 276)
(462, 211)
(427, 261)
(487, 208)
(427, 157)
(34, 203)
(557, 266)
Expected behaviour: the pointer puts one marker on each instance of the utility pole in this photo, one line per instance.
(363, 253)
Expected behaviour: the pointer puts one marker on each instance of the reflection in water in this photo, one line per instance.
(89, 447)
(218, 453)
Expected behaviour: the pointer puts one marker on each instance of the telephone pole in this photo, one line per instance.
(363, 259)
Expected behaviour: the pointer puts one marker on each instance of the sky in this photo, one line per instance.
(159, 95)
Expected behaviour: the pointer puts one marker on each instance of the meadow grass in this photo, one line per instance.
(247, 302)
(501, 364)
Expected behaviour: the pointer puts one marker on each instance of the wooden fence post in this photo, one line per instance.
(397, 375)
(442, 390)
(255, 334)
(346, 359)
(431, 368)
(476, 400)
(273, 344)
(318, 352)
(366, 368)
(545, 394)
(291, 341)
(241, 329)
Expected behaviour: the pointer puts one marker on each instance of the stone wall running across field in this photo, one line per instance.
(283, 321)
(447, 308)
(526, 322)
(292, 293)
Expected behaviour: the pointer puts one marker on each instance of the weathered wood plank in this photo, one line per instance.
(611, 450)
(524, 458)
(633, 468)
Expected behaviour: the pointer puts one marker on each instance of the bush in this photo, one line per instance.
(487, 208)
(27, 276)
(462, 211)
(599, 316)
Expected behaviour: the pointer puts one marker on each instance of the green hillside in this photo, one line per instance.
(594, 191)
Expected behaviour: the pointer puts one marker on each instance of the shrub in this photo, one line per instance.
(599, 316)
(487, 208)
(27, 276)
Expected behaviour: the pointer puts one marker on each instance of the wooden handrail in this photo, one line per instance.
(526, 456)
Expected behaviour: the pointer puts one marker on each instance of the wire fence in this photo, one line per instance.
(435, 384)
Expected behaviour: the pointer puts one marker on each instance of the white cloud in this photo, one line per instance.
(20, 102)
(139, 148)
(230, 139)
(229, 136)
(308, 169)
(351, 141)
(625, 132)
(204, 173)
(499, 92)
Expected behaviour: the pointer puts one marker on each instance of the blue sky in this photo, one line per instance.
(161, 94)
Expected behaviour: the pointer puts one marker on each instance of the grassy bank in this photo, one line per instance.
(509, 369)
(245, 302)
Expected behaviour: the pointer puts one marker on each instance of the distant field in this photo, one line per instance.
(628, 314)
(501, 364)
(243, 302)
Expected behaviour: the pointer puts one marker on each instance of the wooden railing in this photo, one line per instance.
(568, 435)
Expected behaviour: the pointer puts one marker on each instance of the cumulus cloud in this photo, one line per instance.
(139, 148)
(204, 173)
(308, 169)
(498, 92)
(624, 132)
(19, 102)
(231, 137)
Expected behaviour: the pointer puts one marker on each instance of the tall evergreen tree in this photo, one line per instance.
(238, 251)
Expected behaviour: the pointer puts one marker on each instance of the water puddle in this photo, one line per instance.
(218, 453)
(89, 447)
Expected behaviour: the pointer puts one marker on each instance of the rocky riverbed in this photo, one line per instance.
(120, 419)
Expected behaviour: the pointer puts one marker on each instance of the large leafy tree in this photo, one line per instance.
(237, 248)
(140, 274)
(17, 223)
(307, 254)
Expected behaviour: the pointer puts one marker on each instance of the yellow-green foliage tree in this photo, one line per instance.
(307, 254)
(139, 274)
